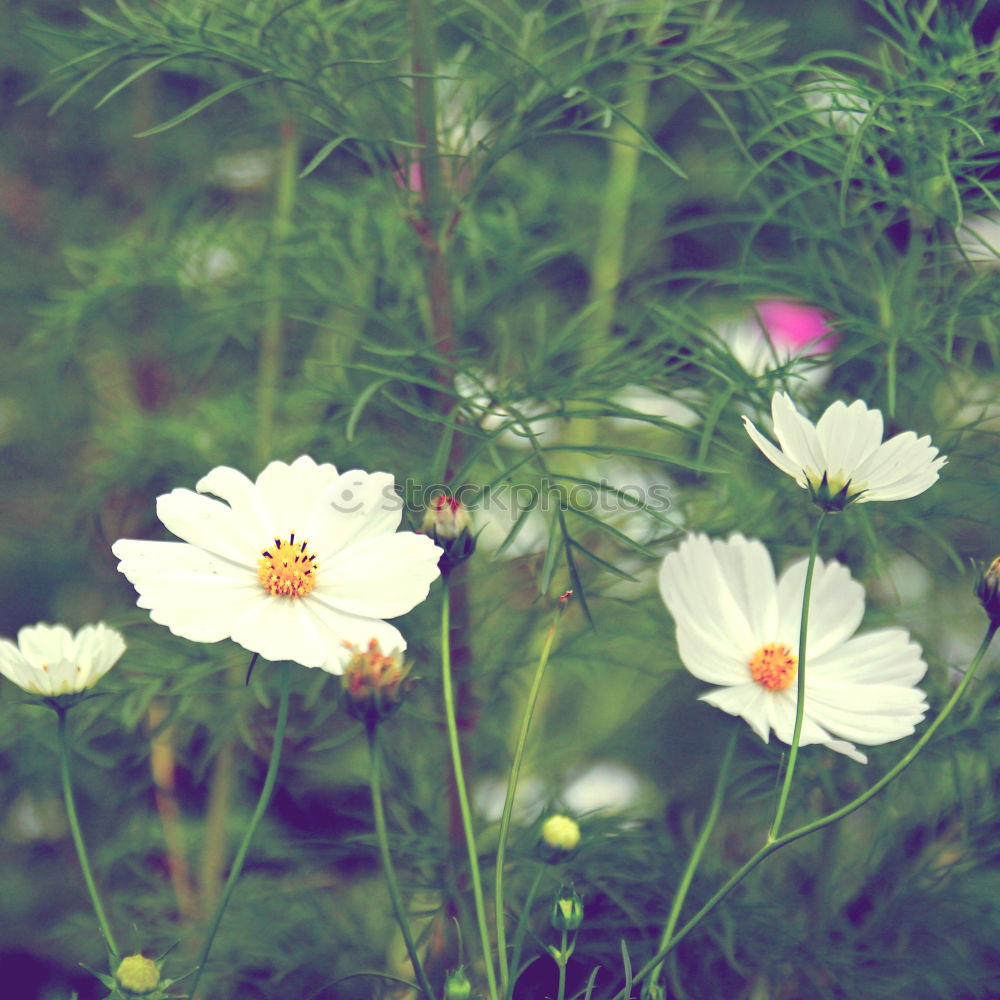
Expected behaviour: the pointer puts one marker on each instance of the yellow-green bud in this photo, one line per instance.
(562, 833)
(988, 591)
(137, 975)
(457, 985)
(567, 910)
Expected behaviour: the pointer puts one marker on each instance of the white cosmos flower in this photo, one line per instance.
(49, 660)
(291, 567)
(842, 459)
(738, 628)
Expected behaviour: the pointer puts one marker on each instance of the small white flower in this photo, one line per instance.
(49, 660)
(842, 459)
(738, 627)
(291, 567)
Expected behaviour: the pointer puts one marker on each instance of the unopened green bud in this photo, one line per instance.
(137, 976)
(447, 521)
(567, 910)
(373, 684)
(457, 985)
(988, 591)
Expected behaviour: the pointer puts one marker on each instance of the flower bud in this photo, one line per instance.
(988, 591)
(373, 684)
(457, 985)
(447, 521)
(560, 837)
(567, 910)
(137, 976)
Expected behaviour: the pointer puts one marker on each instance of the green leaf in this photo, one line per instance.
(205, 102)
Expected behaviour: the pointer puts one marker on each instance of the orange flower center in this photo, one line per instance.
(773, 666)
(288, 569)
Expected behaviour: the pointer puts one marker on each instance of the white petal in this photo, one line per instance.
(379, 577)
(886, 656)
(747, 701)
(836, 606)
(209, 525)
(797, 436)
(250, 512)
(902, 468)
(14, 666)
(196, 594)
(714, 663)
(849, 436)
(42, 644)
(695, 583)
(289, 492)
(352, 508)
(96, 649)
(774, 455)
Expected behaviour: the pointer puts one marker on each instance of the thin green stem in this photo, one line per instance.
(563, 961)
(800, 680)
(508, 805)
(522, 928)
(701, 843)
(382, 835)
(271, 348)
(463, 796)
(258, 814)
(803, 831)
(74, 826)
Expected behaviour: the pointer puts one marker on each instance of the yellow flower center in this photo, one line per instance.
(773, 666)
(287, 569)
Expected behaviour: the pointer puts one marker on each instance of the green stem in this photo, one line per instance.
(271, 348)
(608, 258)
(74, 826)
(696, 854)
(258, 814)
(803, 831)
(800, 679)
(563, 961)
(463, 797)
(382, 834)
(508, 805)
(522, 928)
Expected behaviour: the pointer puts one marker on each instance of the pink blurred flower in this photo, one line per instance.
(779, 331)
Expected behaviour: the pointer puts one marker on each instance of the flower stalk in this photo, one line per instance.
(74, 826)
(262, 803)
(800, 680)
(461, 791)
(382, 836)
(718, 793)
(508, 805)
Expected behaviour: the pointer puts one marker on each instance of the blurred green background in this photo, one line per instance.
(137, 277)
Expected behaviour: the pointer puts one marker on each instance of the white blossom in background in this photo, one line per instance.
(677, 408)
(977, 240)
(606, 786)
(245, 171)
(837, 101)
(302, 564)
(777, 332)
(738, 628)
(490, 792)
(479, 405)
(49, 660)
